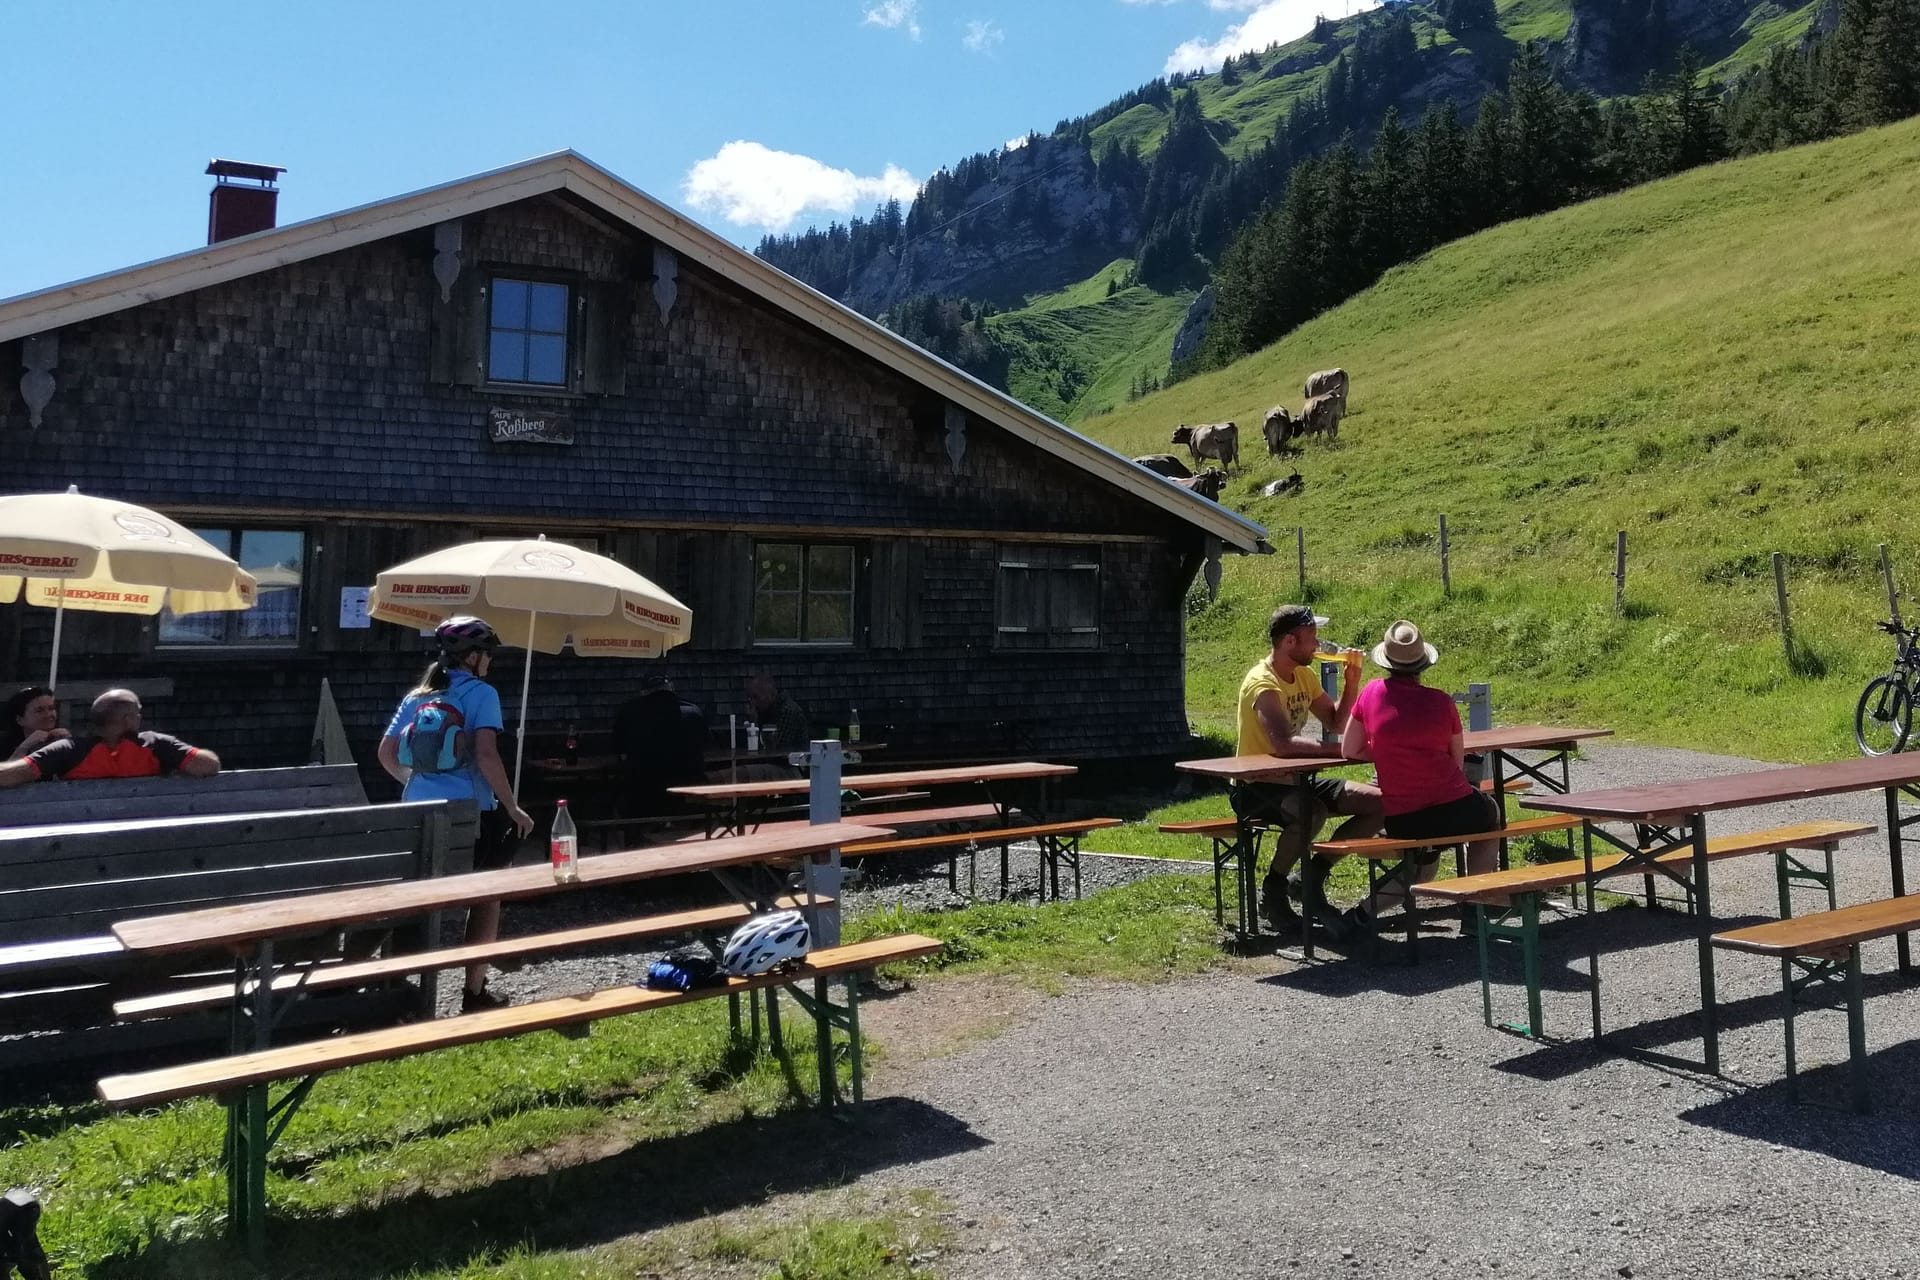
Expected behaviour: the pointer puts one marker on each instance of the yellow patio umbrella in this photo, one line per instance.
(75, 551)
(547, 595)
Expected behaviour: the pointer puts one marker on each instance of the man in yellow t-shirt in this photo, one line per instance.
(1279, 698)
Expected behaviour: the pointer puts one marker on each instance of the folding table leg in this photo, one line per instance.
(823, 1045)
(1856, 1032)
(1530, 959)
(1786, 992)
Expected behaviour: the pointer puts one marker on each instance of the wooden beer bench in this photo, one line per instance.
(1514, 895)
(1823, 950)
(262, 988)
(1059, 843)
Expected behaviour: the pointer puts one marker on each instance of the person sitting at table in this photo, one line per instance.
(31, 722)
(117, 748)
(772, 709)
(1412, 736)
(661, 739)
(1279, 697)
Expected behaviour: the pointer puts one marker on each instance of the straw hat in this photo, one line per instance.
(1403, 650)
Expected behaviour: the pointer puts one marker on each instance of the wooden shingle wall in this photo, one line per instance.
(304, 396)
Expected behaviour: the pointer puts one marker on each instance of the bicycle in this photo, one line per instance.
(1884, 716)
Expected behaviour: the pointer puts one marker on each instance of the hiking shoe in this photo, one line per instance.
(1342, 926)
(1277, 911)
(472, 1001)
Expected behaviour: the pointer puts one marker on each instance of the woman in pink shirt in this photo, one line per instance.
(1412, 735)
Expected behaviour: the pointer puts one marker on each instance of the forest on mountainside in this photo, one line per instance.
(1288, 213)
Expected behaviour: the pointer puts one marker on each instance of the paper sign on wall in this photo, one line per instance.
(353, 608)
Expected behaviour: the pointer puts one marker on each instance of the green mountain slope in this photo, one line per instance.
(1723, 364)
(1078, 351)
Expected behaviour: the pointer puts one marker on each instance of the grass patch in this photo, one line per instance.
(869, 1236)
(1150, 930)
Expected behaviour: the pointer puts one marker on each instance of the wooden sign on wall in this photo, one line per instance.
(521, 426)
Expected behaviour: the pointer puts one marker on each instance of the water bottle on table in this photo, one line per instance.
(563, 846)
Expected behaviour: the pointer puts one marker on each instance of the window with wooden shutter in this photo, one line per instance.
(1047, 597)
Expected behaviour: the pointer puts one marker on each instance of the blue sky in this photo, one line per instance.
(752, 115)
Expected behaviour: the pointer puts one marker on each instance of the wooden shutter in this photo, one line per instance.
(458, 354)
(719, 590)
(895, 577)
(602, 350)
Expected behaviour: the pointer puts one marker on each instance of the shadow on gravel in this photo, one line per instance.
(1448, 961)
(650, 1185)
(1821, 1121)
(1676, 1033)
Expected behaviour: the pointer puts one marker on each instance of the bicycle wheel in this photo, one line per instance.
(1884, 717)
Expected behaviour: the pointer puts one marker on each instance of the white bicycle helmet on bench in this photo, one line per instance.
(766, 941)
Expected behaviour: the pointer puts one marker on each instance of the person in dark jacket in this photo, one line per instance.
(661, 739)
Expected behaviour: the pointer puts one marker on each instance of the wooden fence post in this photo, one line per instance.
(1300, 548)
(1780, 602)
(1893, 595)
(1446, 577)
(1620, 572)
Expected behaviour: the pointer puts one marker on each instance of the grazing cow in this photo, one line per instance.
(1164, 464)
(1279, 488)
(1278, 429)
(1328, 382)
(1321, 415)
(1217, 440)
(1208, 484)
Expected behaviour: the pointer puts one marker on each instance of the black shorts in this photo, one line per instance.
(1278, 803)
(1469, 815)
(495, 841)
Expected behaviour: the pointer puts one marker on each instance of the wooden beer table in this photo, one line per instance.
(744, 804)
(1672, 816)
(1242, 854)
(1503, 746)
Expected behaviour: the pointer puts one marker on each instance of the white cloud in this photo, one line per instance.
(982, 35)
(1274, 22)
(895, 15)
(752, 185)
(1014, 144)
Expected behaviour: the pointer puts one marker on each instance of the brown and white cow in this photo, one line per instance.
(1217, 440)
(1164, 464)
(1210, 483)
(1321, 416)
(1278, 428)
(1328, 382)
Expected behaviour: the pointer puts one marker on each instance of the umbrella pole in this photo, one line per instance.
(59, 616)
(526, 682)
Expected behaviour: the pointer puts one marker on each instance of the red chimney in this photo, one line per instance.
(244, 199)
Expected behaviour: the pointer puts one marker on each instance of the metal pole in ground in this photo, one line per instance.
(1479, 707)
(1446, 578)
(823, 871)
(1620, 572)
(1893, 594)
(1780, 602)
(1330, 683)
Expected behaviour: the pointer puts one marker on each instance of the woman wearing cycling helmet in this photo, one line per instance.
(453, 698)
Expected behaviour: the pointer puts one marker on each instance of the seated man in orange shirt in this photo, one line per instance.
(117, 748)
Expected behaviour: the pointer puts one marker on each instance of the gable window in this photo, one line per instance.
(1047, 598)
(527, 332)
(803, 593)
(276, 558)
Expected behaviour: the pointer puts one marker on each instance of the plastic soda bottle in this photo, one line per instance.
(853, 724)
(563, 846)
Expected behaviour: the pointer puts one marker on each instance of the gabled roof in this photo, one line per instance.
(567, 171)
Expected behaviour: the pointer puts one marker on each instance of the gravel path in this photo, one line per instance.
(1346, 1119)
(1281, 1119)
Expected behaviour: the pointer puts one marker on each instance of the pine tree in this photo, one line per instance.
(1229, 72)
